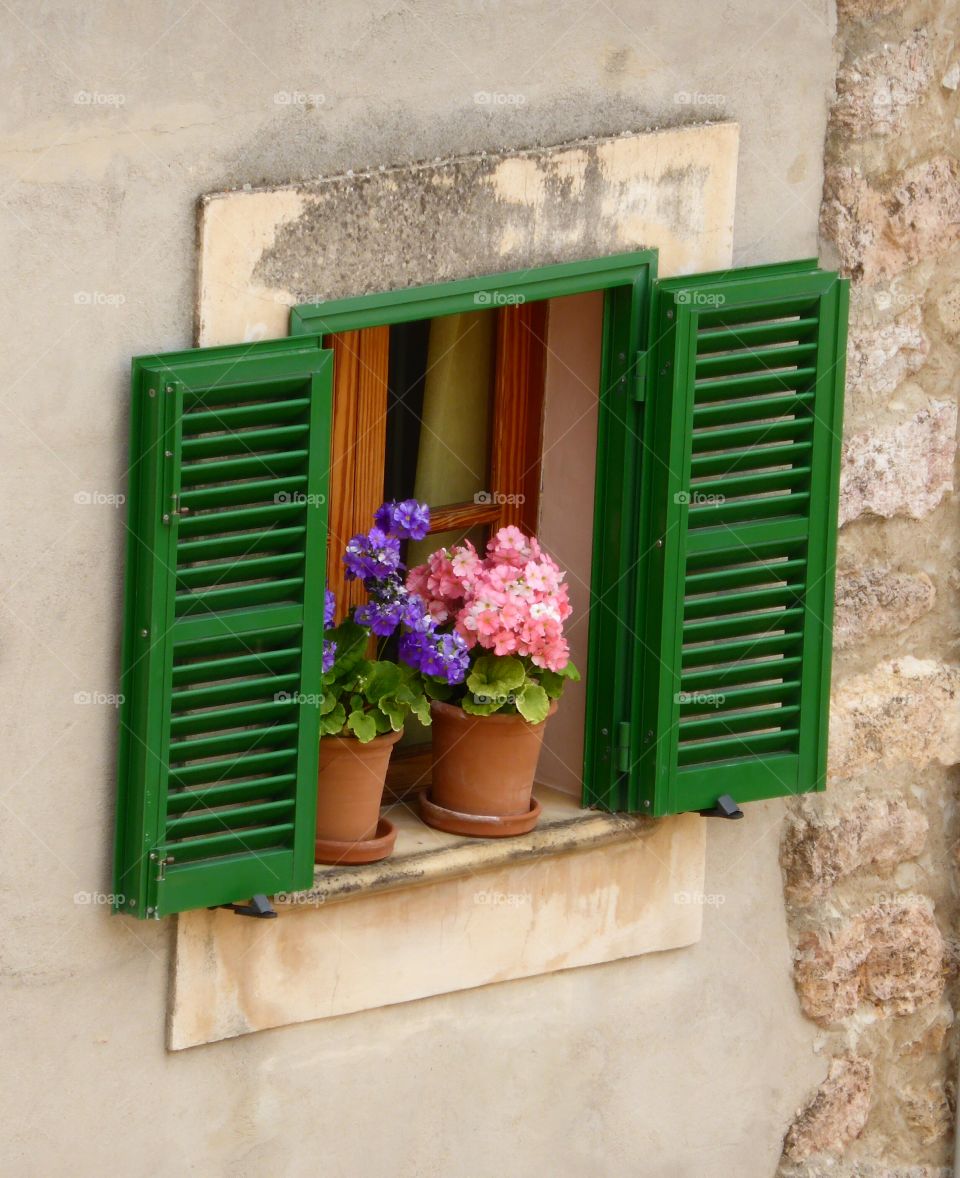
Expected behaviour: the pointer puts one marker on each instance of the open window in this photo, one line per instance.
(715, 462)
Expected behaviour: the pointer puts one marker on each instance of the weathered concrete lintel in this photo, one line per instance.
(559, 834)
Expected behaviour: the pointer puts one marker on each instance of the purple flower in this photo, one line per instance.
(372, 555)
(382, 616)
(407, 520)
(329, 609)
(443, 656)
(329, 654)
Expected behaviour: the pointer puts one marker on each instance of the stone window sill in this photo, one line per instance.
(443, 914)
(423, 855)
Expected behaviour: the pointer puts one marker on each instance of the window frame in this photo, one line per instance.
(627, 281)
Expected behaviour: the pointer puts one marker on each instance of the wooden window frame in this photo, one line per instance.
(359, 436)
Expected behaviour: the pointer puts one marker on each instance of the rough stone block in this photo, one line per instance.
(836, 1114)
(901, 712)
(905, 470)
(875, 89)
(826, 839)
(880, 358)
(880, 232)
(891, 956)
(877, 601)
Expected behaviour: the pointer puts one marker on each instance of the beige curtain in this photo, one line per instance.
(454, 440)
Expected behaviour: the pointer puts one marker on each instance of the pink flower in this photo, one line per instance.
(513, 600)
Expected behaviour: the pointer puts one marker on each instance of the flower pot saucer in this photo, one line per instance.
(485, 826)
(341, 854)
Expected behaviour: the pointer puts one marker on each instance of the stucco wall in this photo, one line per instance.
(116, 118)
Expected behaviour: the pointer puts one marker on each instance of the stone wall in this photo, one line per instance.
(870, 867)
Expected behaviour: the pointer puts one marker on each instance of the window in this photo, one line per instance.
(714, 536)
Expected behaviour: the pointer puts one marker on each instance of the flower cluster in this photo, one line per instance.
(329, 615)
(512, 601)
(374, 558)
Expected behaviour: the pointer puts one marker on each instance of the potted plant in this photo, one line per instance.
(366, 699)
(509, 607)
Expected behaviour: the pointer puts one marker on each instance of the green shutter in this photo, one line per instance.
(223, 622)
(737, 539)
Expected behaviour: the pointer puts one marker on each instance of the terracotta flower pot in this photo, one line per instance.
(349, 791)
(484, 765)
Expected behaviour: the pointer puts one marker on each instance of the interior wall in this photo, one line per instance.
(571, 387)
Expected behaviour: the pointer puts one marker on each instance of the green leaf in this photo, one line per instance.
(552, 683)
(420, 706)
(533, 703)
(437, 688)
(394, 713)
(362, 725)
(328, 701)
(384, 678)
(333, 722)
(356, 702)
(496, 675)
(477, 708)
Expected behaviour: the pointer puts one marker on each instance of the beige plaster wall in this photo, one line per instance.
(115, 119)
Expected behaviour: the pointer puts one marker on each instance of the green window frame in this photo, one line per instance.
(728, 358)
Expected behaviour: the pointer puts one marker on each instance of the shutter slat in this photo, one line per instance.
(743, 361)
(254, 663)
(216, 821)
(238, 416)
(183, 801)
(278, 490)
(222, 693)
(722, 677)
(275, 539)
(255, 466)
(239, 596)
(243, 442)
(241, 842)
(228, 768)
(228, 572)
(214, 719)
(750, 335)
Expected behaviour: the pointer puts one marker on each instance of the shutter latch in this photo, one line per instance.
(623, 747)
(640, 377)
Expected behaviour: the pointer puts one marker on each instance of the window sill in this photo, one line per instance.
(423, 855)
(443, 914)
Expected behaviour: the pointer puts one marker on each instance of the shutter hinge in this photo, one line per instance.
(640, 377)
(623, 747)
(161, 862)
